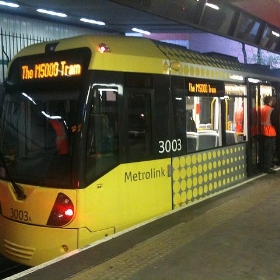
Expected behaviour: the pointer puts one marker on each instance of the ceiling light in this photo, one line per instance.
(213, 6)
(52, 13)
(141, 31)
(9, 4)
(92, 21)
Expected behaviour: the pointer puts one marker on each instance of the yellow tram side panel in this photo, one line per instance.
(33, 245)
(36, 208)
(127, 195)
(129, 54)
(24, 234)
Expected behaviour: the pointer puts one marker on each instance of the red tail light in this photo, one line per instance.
(62, 211)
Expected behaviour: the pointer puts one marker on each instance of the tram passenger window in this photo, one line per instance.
(236, 116)
(191, 128)
(139, 143)
(102, 137)
(204, 122)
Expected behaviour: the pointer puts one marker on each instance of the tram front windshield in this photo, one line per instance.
(37, 137)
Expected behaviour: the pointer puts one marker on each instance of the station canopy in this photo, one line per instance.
(253, 22)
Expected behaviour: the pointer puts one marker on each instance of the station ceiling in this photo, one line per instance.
(254, 22)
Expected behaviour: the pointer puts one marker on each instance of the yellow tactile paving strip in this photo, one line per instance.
(134, 260)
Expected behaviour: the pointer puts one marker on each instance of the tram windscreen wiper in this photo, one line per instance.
(18, 189)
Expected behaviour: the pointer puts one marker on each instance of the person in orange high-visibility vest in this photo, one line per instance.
(61, 137)
(239, 119)
(268, 133)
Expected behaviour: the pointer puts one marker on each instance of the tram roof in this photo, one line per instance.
(145, 55)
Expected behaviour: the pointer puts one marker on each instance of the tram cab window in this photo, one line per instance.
(102, 135)
(36, 138)
(236, 116)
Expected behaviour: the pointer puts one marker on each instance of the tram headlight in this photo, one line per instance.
(62, 211)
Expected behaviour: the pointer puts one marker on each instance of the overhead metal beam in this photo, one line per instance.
(229, 21)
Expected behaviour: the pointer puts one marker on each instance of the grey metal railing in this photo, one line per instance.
(11, 44)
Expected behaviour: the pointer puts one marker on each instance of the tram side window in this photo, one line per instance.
(139, 138)
(191, 128)
(236, 116)
(203, 123)
(102, 137)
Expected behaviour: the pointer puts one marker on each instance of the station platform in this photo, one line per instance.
(235, 235)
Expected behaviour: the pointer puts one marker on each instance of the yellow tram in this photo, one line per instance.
(99, 133)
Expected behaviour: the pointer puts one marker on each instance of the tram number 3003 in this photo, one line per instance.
(170, 145)
(19, 215)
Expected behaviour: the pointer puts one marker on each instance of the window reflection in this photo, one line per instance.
(102, 133)
(139, 145)
(36, 136)
(247, 28)
(218, 20)
(270, 38)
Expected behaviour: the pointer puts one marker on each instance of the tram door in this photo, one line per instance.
(139, 125)
(256, 93)
(277, 108)
(254, 152)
